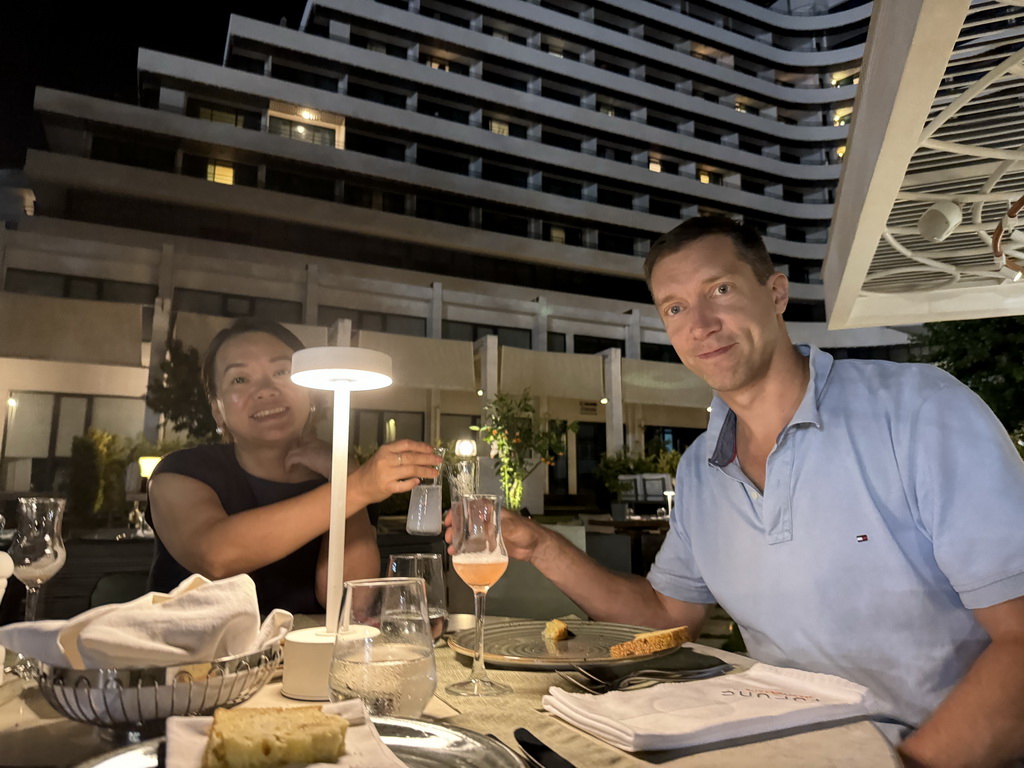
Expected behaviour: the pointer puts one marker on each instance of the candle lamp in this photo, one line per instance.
(341, 370)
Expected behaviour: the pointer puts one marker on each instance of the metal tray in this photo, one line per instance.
(417, 743)
(520, 645)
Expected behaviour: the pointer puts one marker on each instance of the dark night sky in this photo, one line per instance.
(92, 48)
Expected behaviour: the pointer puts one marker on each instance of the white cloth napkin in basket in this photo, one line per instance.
(198, 621)
(757, 701)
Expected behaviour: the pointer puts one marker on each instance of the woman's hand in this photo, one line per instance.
(395, 467)
(312, 453)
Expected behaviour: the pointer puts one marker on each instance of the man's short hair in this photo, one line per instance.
(749, 245)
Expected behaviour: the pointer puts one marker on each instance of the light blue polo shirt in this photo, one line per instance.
(893, 504)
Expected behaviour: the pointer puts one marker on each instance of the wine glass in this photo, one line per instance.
(38, 554)
(480, 560)
(429, 568)
(383, 651)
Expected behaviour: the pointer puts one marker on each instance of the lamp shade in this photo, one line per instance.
(331, 368)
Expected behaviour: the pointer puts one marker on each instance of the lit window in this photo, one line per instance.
(606, 109)
(556, 52)
(840, 151)
(499, 127)
(300, 129)
(557, 235)
(654, 164)
(437, 64)
(222, 173)
(705, 177)
(741, 107)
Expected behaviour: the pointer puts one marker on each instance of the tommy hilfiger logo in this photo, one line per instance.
(862, 537)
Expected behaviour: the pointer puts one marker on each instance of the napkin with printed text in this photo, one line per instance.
(198, 621)
(760, 700)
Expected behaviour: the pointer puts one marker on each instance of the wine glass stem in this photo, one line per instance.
(479, 599)
(31, 603)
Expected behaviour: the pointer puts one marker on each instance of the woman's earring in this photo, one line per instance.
(219, 431)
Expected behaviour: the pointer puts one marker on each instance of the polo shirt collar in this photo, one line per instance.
(722, 422)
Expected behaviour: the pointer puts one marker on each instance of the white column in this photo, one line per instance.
(613, 391)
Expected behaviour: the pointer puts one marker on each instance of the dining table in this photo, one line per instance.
(33, 734)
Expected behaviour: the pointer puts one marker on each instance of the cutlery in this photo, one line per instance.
(527, 758)
(641, 678)
(540, 752)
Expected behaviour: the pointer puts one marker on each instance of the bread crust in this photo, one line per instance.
(651, 642)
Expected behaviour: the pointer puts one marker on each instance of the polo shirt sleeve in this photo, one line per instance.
(968, 480)
(674, 572)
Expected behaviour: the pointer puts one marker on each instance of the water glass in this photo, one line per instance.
(429, 568)
(383, 652)
(424, 517)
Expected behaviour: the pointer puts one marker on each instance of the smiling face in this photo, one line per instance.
(725, 326)
(255, 398)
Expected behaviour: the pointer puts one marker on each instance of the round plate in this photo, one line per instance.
(418, 744)
(422, 744)
(520, 645)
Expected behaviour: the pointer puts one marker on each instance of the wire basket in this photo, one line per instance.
(140, 699)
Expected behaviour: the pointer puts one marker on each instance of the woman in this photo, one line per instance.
(259, 503)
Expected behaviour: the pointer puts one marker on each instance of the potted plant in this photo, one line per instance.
(521, 440)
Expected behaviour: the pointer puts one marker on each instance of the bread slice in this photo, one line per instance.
(263, 737)
(651, 642)
(556, 630)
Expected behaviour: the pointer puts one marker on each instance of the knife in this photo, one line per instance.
(540, 751)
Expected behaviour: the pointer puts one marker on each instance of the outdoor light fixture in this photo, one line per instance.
(939, 221)
(479, 393)
(604, 401)
(147, 464)
(465, 449)
(341, 370)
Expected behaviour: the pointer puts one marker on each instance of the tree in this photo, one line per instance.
(986, 356)
(178, 395)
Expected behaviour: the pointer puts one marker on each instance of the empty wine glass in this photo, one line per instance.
(38, 554)
(428, 567)
(383, 652)
(480, 560)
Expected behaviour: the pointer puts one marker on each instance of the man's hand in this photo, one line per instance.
(521, 535)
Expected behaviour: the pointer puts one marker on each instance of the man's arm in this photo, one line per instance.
(981, 722)
(605, 595)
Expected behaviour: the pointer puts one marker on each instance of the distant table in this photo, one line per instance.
(635, 528)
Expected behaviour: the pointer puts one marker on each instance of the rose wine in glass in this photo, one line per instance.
(480, 559)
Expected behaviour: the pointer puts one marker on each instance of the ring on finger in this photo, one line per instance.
(399, 459)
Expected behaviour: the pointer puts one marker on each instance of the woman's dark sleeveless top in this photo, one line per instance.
(288, 583)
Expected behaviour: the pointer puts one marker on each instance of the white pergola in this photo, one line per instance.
(938, 128)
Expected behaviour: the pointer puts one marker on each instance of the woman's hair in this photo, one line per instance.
(240, 326)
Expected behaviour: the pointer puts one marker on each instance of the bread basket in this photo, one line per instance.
(134, 702)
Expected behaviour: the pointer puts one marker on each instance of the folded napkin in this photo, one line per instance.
(674, 715)
(186, 740)
(198, 621)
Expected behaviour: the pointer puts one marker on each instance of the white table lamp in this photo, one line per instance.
(341, 370)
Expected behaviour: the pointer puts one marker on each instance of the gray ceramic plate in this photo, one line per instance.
(520, 645)
(418, 744)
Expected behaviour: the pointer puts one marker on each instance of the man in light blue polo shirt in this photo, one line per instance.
(859, 518)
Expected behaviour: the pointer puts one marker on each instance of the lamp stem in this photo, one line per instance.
(339, 489)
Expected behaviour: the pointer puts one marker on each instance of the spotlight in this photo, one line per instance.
(939, 221)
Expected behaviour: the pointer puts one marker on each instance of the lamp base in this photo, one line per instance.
(307, 661)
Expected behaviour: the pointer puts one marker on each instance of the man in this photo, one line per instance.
(860, 518)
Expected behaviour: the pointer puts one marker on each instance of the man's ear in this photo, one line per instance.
(779, 285)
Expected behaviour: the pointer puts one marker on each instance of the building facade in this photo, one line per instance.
(481, 172)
